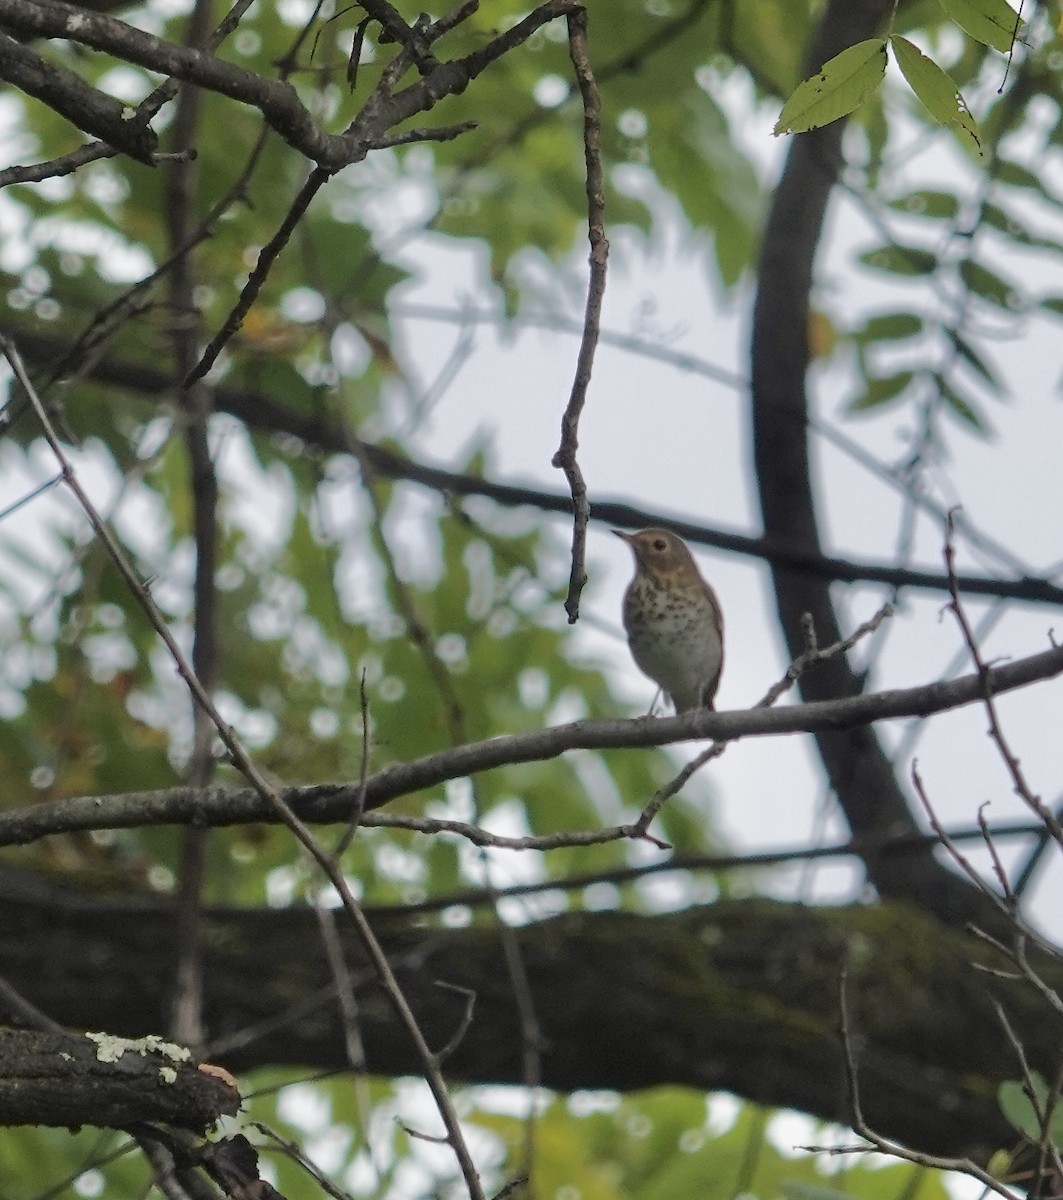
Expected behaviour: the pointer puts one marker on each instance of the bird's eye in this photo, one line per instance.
(660, 544)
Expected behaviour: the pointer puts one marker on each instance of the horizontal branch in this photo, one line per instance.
(334, 802)
(739, 995)
(261, 412)
(96, 1079)
(620, 513)
(881, 847)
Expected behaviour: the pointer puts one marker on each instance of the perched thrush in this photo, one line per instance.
(673, 621)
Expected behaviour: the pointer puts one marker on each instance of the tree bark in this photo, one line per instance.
(76, 1079)
(741, 995)
(862, 777)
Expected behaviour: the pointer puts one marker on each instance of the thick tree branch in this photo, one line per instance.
(860, 773)
(739, 995)
(74, 1079)
(89, 110)
(277, 100)
(334, 802)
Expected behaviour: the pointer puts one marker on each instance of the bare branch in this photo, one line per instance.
(813, 654)
(886, 1145)
(1019, 784)
(292, 1150)
(96, 113)
(259, 411)
(266, 793)
(332, 803)
(54, 168)
(959, 859)
(443, 133)
(565, 456)
(267, 257)
(907, 843)
(469, 1008)
(277, 100)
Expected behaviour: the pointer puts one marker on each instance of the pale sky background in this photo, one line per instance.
(673, 441)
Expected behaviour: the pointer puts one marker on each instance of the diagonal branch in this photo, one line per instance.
(277, 100)
(332, 803)
(267, 793)
(68, 94)
(260, 411)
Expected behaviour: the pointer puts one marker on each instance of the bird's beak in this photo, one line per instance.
(626, 537)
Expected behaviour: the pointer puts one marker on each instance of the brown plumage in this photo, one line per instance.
(673, 620)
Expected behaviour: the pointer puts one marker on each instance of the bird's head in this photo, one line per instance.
(660, 554)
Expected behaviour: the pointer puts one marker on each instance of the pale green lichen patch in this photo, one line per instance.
(110, 1048)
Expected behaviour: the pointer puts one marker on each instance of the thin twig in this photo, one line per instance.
(14, 1005)
(39, 490)
(882, 846)
(1019, 785)
(56, 168)
(812, 655)
(1044, 1113)
(439, 133)
(961, 860)
(341, 979)
(565, 456)
(358, 808)
(998, 865)
(267, 792)
(886, 1145)
(458, 1036)
(348, 1006)
(266, 258)
(292, 1150)
(511, 1188)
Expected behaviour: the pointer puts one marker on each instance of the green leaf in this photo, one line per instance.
(990, 286)
(836, 90)
(881, 391)
(1015, 1103)
(974, 360)
(963, 408)
(1013, 229)
(723, 196)
(941, 206)
(1052, 304)
(1016, 175)
(991, 22)
(901, 260)
(890, 327)
(936, 89)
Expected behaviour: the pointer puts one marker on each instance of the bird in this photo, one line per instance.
(673, 620)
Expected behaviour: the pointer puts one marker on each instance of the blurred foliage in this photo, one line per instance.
(314, 579)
